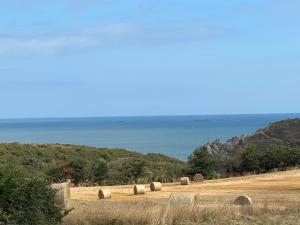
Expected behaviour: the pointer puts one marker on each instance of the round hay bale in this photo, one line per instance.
(184, 181)
(178, 201)
(182, 199)
(104, 194)
(198, 178)
(155, 186)
(243, 200)
(62, 193)
(139, 190)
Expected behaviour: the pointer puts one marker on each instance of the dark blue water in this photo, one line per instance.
(176, 136)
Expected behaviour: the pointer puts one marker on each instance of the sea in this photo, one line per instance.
(175, 136)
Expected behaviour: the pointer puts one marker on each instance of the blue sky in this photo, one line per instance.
(61, 58)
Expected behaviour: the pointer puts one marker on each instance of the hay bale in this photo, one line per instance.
(243, 200)
(139, 190)
(155, 186)
(104, 194)
(62, 193)
(198, 178)
(184, 181)
(182, 199)
(179, 201)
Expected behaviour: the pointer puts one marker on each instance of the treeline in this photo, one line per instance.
(248, 160)
(99, 166)
(276, 157)
(87, 165)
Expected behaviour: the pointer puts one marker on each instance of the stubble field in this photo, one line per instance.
(275, 196)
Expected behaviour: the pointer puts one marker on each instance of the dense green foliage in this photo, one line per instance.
(275, 147)
(250, 160)
(247, 160)
(275, 157)
(26, 200)
(279, 156)
(90, 165)
(204, 163)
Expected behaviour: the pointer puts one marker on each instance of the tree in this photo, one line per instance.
(281, 156)
(99, 170)
(57, 174)
(26, 200)
(133, 169)
(205, 163)
(250, 159)
(81, 170)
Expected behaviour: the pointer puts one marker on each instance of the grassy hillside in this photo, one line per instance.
(287, 130)
(282, 132)
(89, 165)
(275, 147)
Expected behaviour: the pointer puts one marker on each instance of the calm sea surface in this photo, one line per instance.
(176, 136)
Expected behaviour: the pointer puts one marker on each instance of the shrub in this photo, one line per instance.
(205, 163)
(26, 201)
(250, 159)
(281, 157)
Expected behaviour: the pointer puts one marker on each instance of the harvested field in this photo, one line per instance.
(276, 201)
(274, 187)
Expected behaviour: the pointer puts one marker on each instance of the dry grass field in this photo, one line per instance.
(275, 196)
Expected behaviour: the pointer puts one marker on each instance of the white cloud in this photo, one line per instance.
(71, 3)
(42, 45)
(20, 43)
(122, 34)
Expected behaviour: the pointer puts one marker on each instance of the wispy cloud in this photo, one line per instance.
(275, 8)
(121, 34)
(66, 1)
(72, 3)
(42, 45)
(49, 43)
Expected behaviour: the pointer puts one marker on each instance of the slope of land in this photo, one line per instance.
(282, 132)
(286, 132)
(90, 165)
(272, 187)
(276, 201)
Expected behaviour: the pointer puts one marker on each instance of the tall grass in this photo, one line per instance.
(152, 213)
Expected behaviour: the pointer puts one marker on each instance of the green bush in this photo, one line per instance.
(205, 163)
(26, 201)
(251, 159)
(280, 157)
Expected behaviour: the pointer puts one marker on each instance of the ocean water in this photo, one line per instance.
(175, 136)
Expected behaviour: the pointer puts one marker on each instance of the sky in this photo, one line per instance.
(86, 58)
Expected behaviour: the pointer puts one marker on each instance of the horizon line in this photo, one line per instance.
(154, 115)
